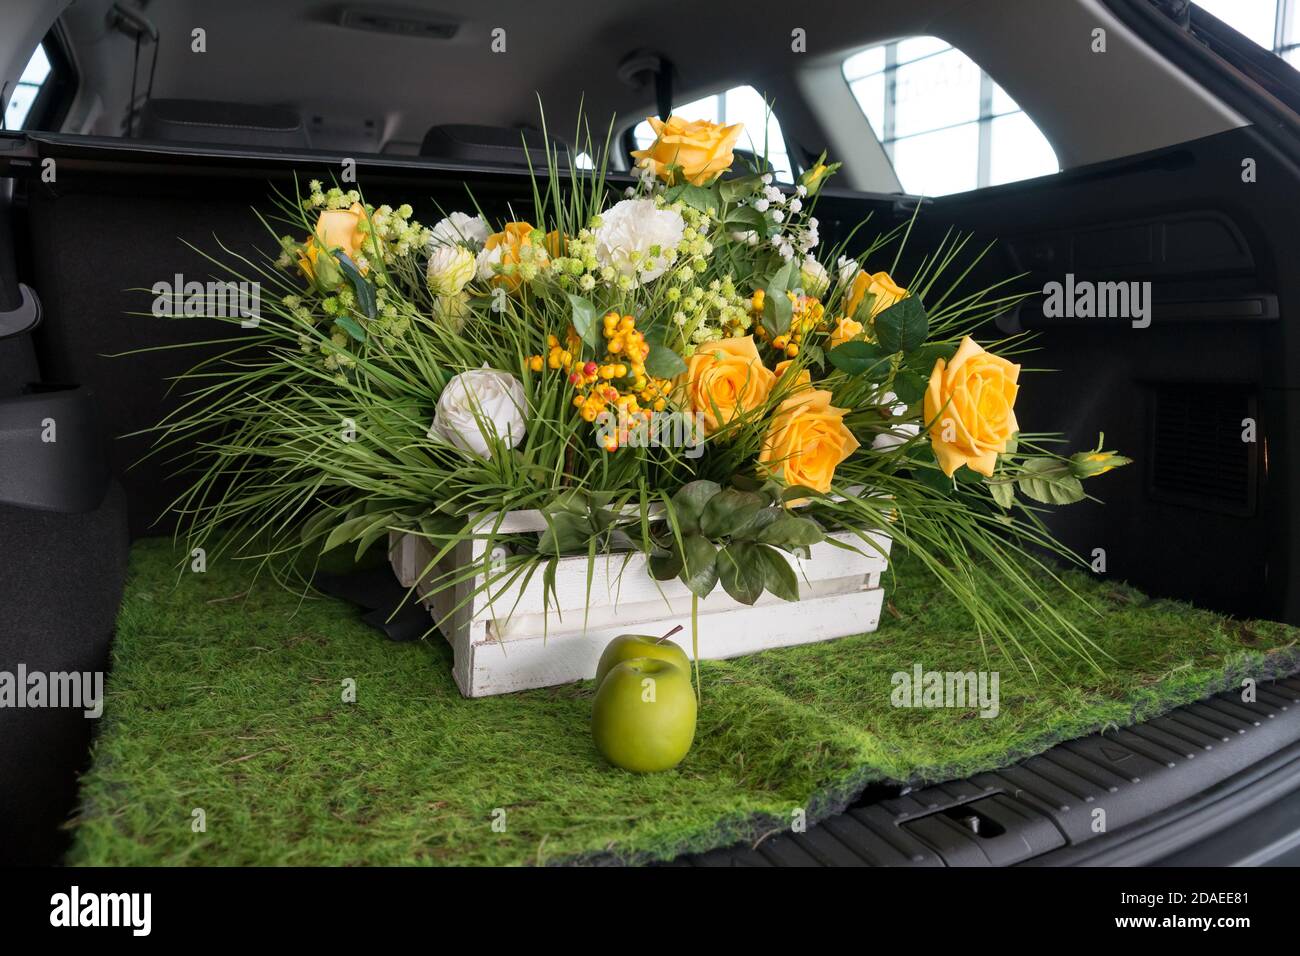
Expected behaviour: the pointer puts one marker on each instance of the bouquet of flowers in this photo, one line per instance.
(681, 370)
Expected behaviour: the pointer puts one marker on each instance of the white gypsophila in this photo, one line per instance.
(477, 407)
(449, 270)
(761, 205)
(459, 228)
(630, 230)
(795, 205)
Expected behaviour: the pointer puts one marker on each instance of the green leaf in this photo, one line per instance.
(665, 565)
(862, 358)
(586, 321)
(1050, 482)
(1004, 493)
(909, 386)
(903, 326)
(923, 359)
(745, 219)
(759, 520)
(349, 325)
(928, 471)
(700, 571)
(702, 198)
(728, 511)
(689, 502)
(739, 188)
(778, 575)
(364, 290)
(777, 307)
(742, 571)
(664, 362)
(565, 533)
(792, 531)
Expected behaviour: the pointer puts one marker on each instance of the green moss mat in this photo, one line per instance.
(233, 706)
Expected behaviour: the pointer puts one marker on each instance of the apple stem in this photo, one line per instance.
(669, 634)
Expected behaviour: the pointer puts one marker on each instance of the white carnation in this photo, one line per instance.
(630, 230)
(450, 269)
(459, 228)
(479, 406)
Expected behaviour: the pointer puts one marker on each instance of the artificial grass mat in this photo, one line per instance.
(232, 704)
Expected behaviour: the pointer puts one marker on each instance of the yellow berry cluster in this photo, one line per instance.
(617, 383)
(809, 316)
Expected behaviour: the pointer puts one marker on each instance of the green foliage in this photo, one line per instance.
(224, 694)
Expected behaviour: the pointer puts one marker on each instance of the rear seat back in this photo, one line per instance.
(212, 121)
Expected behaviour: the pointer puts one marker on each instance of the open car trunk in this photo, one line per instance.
(1204, 516)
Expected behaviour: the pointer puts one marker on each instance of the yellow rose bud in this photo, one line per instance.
(725, 379)
(802, 380)
(335, 229)
(970, 407)
(507, 248)
(812, 179)
(1091, 464)
(885, 290)
(806, 440)
(845, 330)
(700, 150)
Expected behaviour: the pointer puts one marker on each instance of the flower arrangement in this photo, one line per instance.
(681, 370)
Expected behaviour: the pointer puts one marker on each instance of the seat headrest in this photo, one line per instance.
(212, 121)
(488, 145)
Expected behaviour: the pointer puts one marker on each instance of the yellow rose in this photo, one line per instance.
(845, 330)
(512, 246)
(807, 440)
(885, 290)
(701, 150)
(725, 379)
(342, 229)
(803, 380)
(969, 405)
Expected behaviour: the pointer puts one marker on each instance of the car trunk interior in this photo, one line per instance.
(1203, 398)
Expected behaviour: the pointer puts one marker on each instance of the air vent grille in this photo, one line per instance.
(402, 24)
(1198, 456)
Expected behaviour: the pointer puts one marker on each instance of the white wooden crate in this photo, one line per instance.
(508, 641)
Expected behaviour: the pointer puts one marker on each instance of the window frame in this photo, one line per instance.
(58, 90)
(983, 120)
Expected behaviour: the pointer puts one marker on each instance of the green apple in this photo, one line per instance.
(643, 718)
(625, 647)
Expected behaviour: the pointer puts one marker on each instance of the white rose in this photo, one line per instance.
(628, 232)
(847, 268)
(479, 406)
(450, 269)
(814, 277)
(486, 261)
(459, 228)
